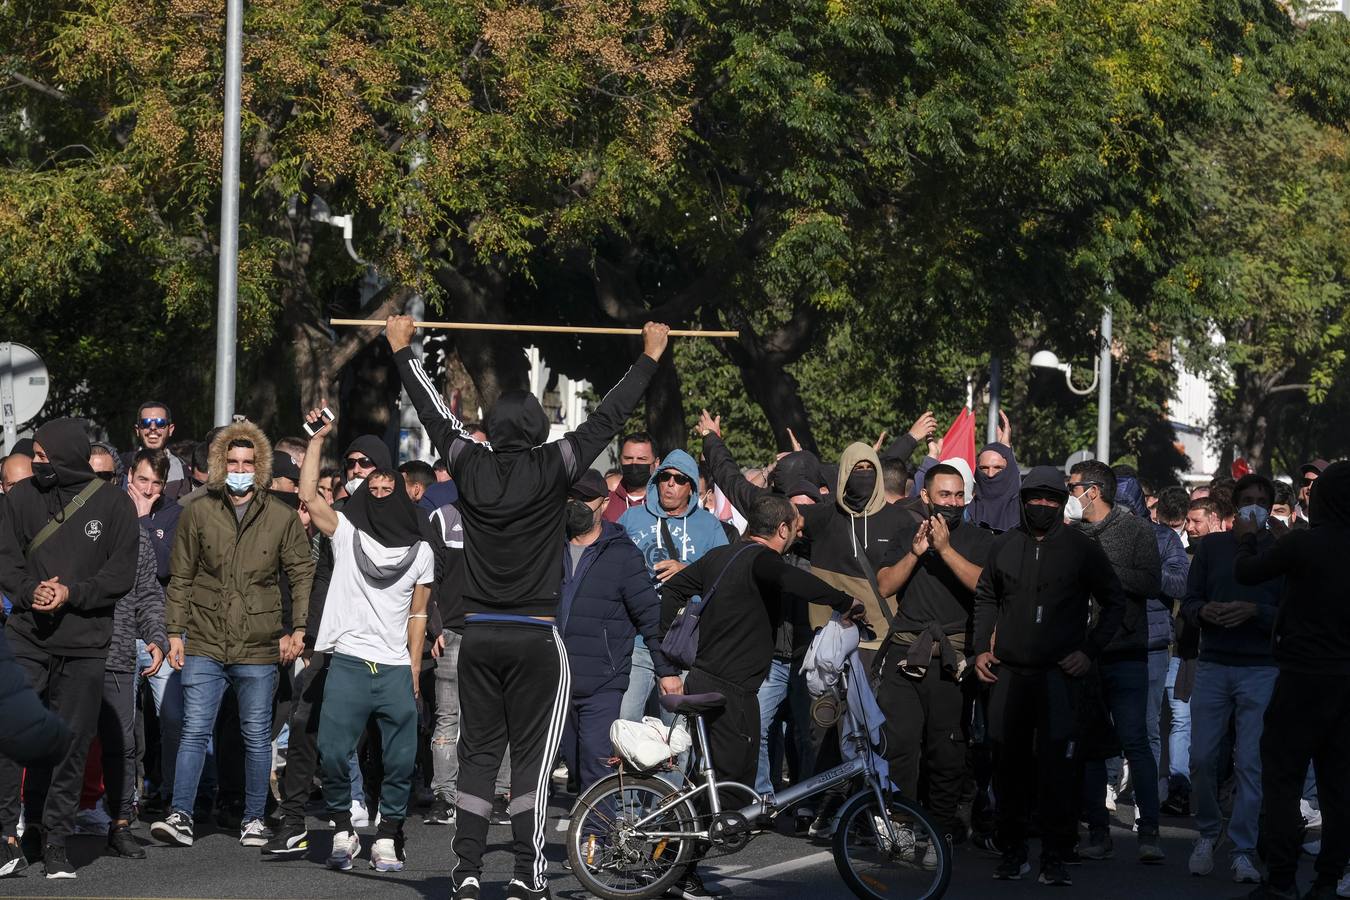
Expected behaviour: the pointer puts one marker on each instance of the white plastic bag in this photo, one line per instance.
(649, 744)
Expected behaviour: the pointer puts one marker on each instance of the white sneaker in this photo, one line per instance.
(1111, 797)
(1243, 870)
(1202, 857)
(254, 834)
(360, 815)
(1343, 887)
(18, 832)
(345, 847)
(1312, 816)
(384, 856)
(930, 858)
(92, 821)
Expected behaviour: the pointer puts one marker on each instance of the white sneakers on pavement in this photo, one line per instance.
(1202, 857)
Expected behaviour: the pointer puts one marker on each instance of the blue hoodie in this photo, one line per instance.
(693, 534)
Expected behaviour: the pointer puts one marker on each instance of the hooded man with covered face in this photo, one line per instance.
(68, 552)
(1308, 717)
(374, 625)
(513, 672)
(1035, 596)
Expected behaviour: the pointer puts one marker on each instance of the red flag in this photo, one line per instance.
(1240, 468)
(959, 441)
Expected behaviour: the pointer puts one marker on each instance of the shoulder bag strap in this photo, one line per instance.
(879, 662)
(70, 509)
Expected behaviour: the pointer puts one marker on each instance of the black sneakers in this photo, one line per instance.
(176, 829)
(466, 890)
(1054, 873)
(121, 843)
(290, 840)
(12, 860)
(519, 890)
(440, 813)
(55, 863)
(691, 887)
(1012, 866)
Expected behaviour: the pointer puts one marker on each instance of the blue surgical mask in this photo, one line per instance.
(239, 483)
(1255, 511)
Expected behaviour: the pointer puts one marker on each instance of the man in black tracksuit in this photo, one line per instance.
(1032, 606)
(513, 673)
(737, 632)
(64, 593)
(1308, 718)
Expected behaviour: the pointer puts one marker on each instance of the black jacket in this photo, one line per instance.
(1312, 626)
(1037, 595)
(738, 627)
(94, 552)
(513, 491)
(31, 736)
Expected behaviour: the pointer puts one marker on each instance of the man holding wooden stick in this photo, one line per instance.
(513, 495)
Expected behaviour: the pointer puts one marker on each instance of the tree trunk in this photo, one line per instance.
(763, 359)
(495, 361)
(665, 408)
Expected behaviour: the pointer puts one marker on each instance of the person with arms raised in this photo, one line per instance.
(513, 673)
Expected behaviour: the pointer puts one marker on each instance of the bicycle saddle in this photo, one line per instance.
(692, 704)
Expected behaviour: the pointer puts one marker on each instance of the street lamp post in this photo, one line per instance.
(227, 297)
(1101, 383)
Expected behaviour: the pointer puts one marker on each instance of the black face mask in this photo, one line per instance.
(953, 515)
(44, 473)
(1041, 518)
(858, 489)
(635, 475)
(580, 518)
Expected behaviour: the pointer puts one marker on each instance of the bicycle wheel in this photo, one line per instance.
(912, 861)
(611, 856)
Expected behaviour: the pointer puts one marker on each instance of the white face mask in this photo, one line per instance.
(1074, 509)
(352, 485)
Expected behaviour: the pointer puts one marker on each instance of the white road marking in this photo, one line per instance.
(804, 862)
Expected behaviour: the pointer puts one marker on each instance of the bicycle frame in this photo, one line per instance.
(817, 784)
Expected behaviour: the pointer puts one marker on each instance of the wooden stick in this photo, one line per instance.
(554, 329)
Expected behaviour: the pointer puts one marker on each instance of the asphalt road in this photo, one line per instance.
(772, 867)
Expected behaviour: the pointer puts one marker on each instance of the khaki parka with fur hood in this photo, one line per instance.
(224, 571)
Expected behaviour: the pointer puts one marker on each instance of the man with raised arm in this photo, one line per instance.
(513, 673)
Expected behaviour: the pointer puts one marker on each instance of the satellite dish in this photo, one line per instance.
(23, 387)
(1075, 458)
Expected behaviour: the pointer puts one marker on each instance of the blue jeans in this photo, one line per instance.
(641, 682)
(1179, 740)
(1157, 687)
(204, 684)
(1222, 693)
(1125, 689)
(772, 693)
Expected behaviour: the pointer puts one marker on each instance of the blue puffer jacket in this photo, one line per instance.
(1175, 564)
(605, 602)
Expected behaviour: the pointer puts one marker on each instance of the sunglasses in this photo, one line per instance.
(157, 422)
(106, 476)
(676, 477)
(364, 462)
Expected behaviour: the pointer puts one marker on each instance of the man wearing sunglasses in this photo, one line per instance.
(154, 427)
(1308, 473)
(672, 530)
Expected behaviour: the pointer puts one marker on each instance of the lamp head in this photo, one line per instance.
(1046, 359)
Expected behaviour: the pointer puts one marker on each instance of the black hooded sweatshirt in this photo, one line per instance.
(513, 491)
(1312, 626)
(94, 552)
(1038, 594)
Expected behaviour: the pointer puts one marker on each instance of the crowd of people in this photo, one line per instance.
(225, 631)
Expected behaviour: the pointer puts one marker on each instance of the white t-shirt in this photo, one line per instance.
(360, 619)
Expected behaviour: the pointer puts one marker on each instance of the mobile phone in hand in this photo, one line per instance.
(325, 416)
